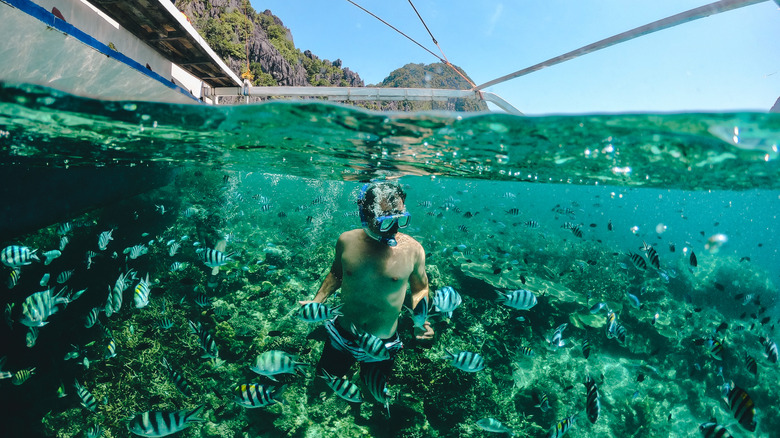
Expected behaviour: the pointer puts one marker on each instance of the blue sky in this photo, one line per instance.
(725, 62)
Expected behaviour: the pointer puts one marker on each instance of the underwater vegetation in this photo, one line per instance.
(229, 254)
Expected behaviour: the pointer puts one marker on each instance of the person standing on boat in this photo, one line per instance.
(373, 266)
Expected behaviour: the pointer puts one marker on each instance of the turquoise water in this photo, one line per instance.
(278, 182)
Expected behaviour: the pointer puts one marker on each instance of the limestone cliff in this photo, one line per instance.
(259, 43)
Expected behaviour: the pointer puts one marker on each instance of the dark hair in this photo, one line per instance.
(377, 192)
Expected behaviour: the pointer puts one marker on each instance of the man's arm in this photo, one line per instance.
(332, 281)
(418, 283)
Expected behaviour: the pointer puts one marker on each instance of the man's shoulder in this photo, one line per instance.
(409, 240)
(351, 234)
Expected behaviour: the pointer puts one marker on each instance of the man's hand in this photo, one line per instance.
(305, 302)
(424, 334)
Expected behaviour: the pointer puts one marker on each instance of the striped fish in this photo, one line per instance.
(178, 266)
(89, 255)
(114, 301)
(376, 382)
(373, 346)
(544, 402)
(532, 224)
(110, 348)
(214, 258)
(110, 301)
(94, 431)
(16, 256)
(173, 249)
(638, 261)
(92, 317)
(104, 238)
(273, 362)
(611, 324)
(316, 312)
(64, 242)
(13, 277)
(87, 399)
(556, 340)
(652, 255)
(446, 300)
(343, 388)
(64, 228)
(563, 210)
(770, 348)
(714, 348)
(135, 251)
(527, 351)
(64, 276)
(21, 376)
(714, 430)
(206, 341)
(165, 323)
(177, 379)
(741, 406)
(202, 300)
(163, 423)
(141, 293)
(620, 333)
(466, 361)
(592, 401)
(190, 211)
(31, 337)
(562, 426)
(586, 348)
(520, 299)
(256, 395)
(39, 306)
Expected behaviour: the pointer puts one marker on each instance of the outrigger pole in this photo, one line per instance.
(674, 20)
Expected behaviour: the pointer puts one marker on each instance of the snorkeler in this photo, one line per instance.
(373, 267)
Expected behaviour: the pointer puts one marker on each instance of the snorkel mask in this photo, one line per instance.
(387, 225)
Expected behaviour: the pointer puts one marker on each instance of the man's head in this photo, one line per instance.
(382, 210)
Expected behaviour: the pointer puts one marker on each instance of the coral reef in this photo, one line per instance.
(660, 382)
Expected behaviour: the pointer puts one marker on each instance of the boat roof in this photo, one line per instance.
(163, 27)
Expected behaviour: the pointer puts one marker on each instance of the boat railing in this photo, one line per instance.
(361, 94)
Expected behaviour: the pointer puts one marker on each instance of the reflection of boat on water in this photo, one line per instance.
(129, 50)
(148, 51)
(106, 50)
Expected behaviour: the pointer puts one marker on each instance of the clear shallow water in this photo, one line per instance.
(280, 180)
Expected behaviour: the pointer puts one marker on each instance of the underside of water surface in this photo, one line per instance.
(553, 205)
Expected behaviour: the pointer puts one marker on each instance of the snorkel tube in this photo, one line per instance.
(383, 238)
